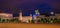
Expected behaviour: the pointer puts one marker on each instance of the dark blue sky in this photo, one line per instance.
(28, 6)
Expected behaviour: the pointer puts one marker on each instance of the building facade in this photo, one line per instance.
(6, 16)
(57, 16)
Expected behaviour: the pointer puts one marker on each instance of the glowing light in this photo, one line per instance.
(51, 12)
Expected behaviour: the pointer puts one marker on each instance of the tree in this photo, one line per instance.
(55, 20)
(0, 19)
(58, 21)
(42, 20)
(32, 21)
(51, 20)
(3, 20)
(38, 21)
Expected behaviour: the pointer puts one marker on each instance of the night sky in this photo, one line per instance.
(28, 6)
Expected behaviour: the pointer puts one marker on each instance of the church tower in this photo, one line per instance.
(37, 12)
(20, 15)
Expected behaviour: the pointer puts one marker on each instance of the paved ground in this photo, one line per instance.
(16, 25)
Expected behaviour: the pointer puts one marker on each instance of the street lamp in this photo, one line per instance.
(51, 13)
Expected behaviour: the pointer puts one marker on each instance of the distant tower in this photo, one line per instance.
(34, 17)
(20, 15)
(37, 12)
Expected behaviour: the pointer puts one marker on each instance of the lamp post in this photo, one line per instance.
(52, 13)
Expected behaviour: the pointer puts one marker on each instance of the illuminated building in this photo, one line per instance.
(15, 17)
(57, 16)
(42, 16)
(6, 16)
(24, 18)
